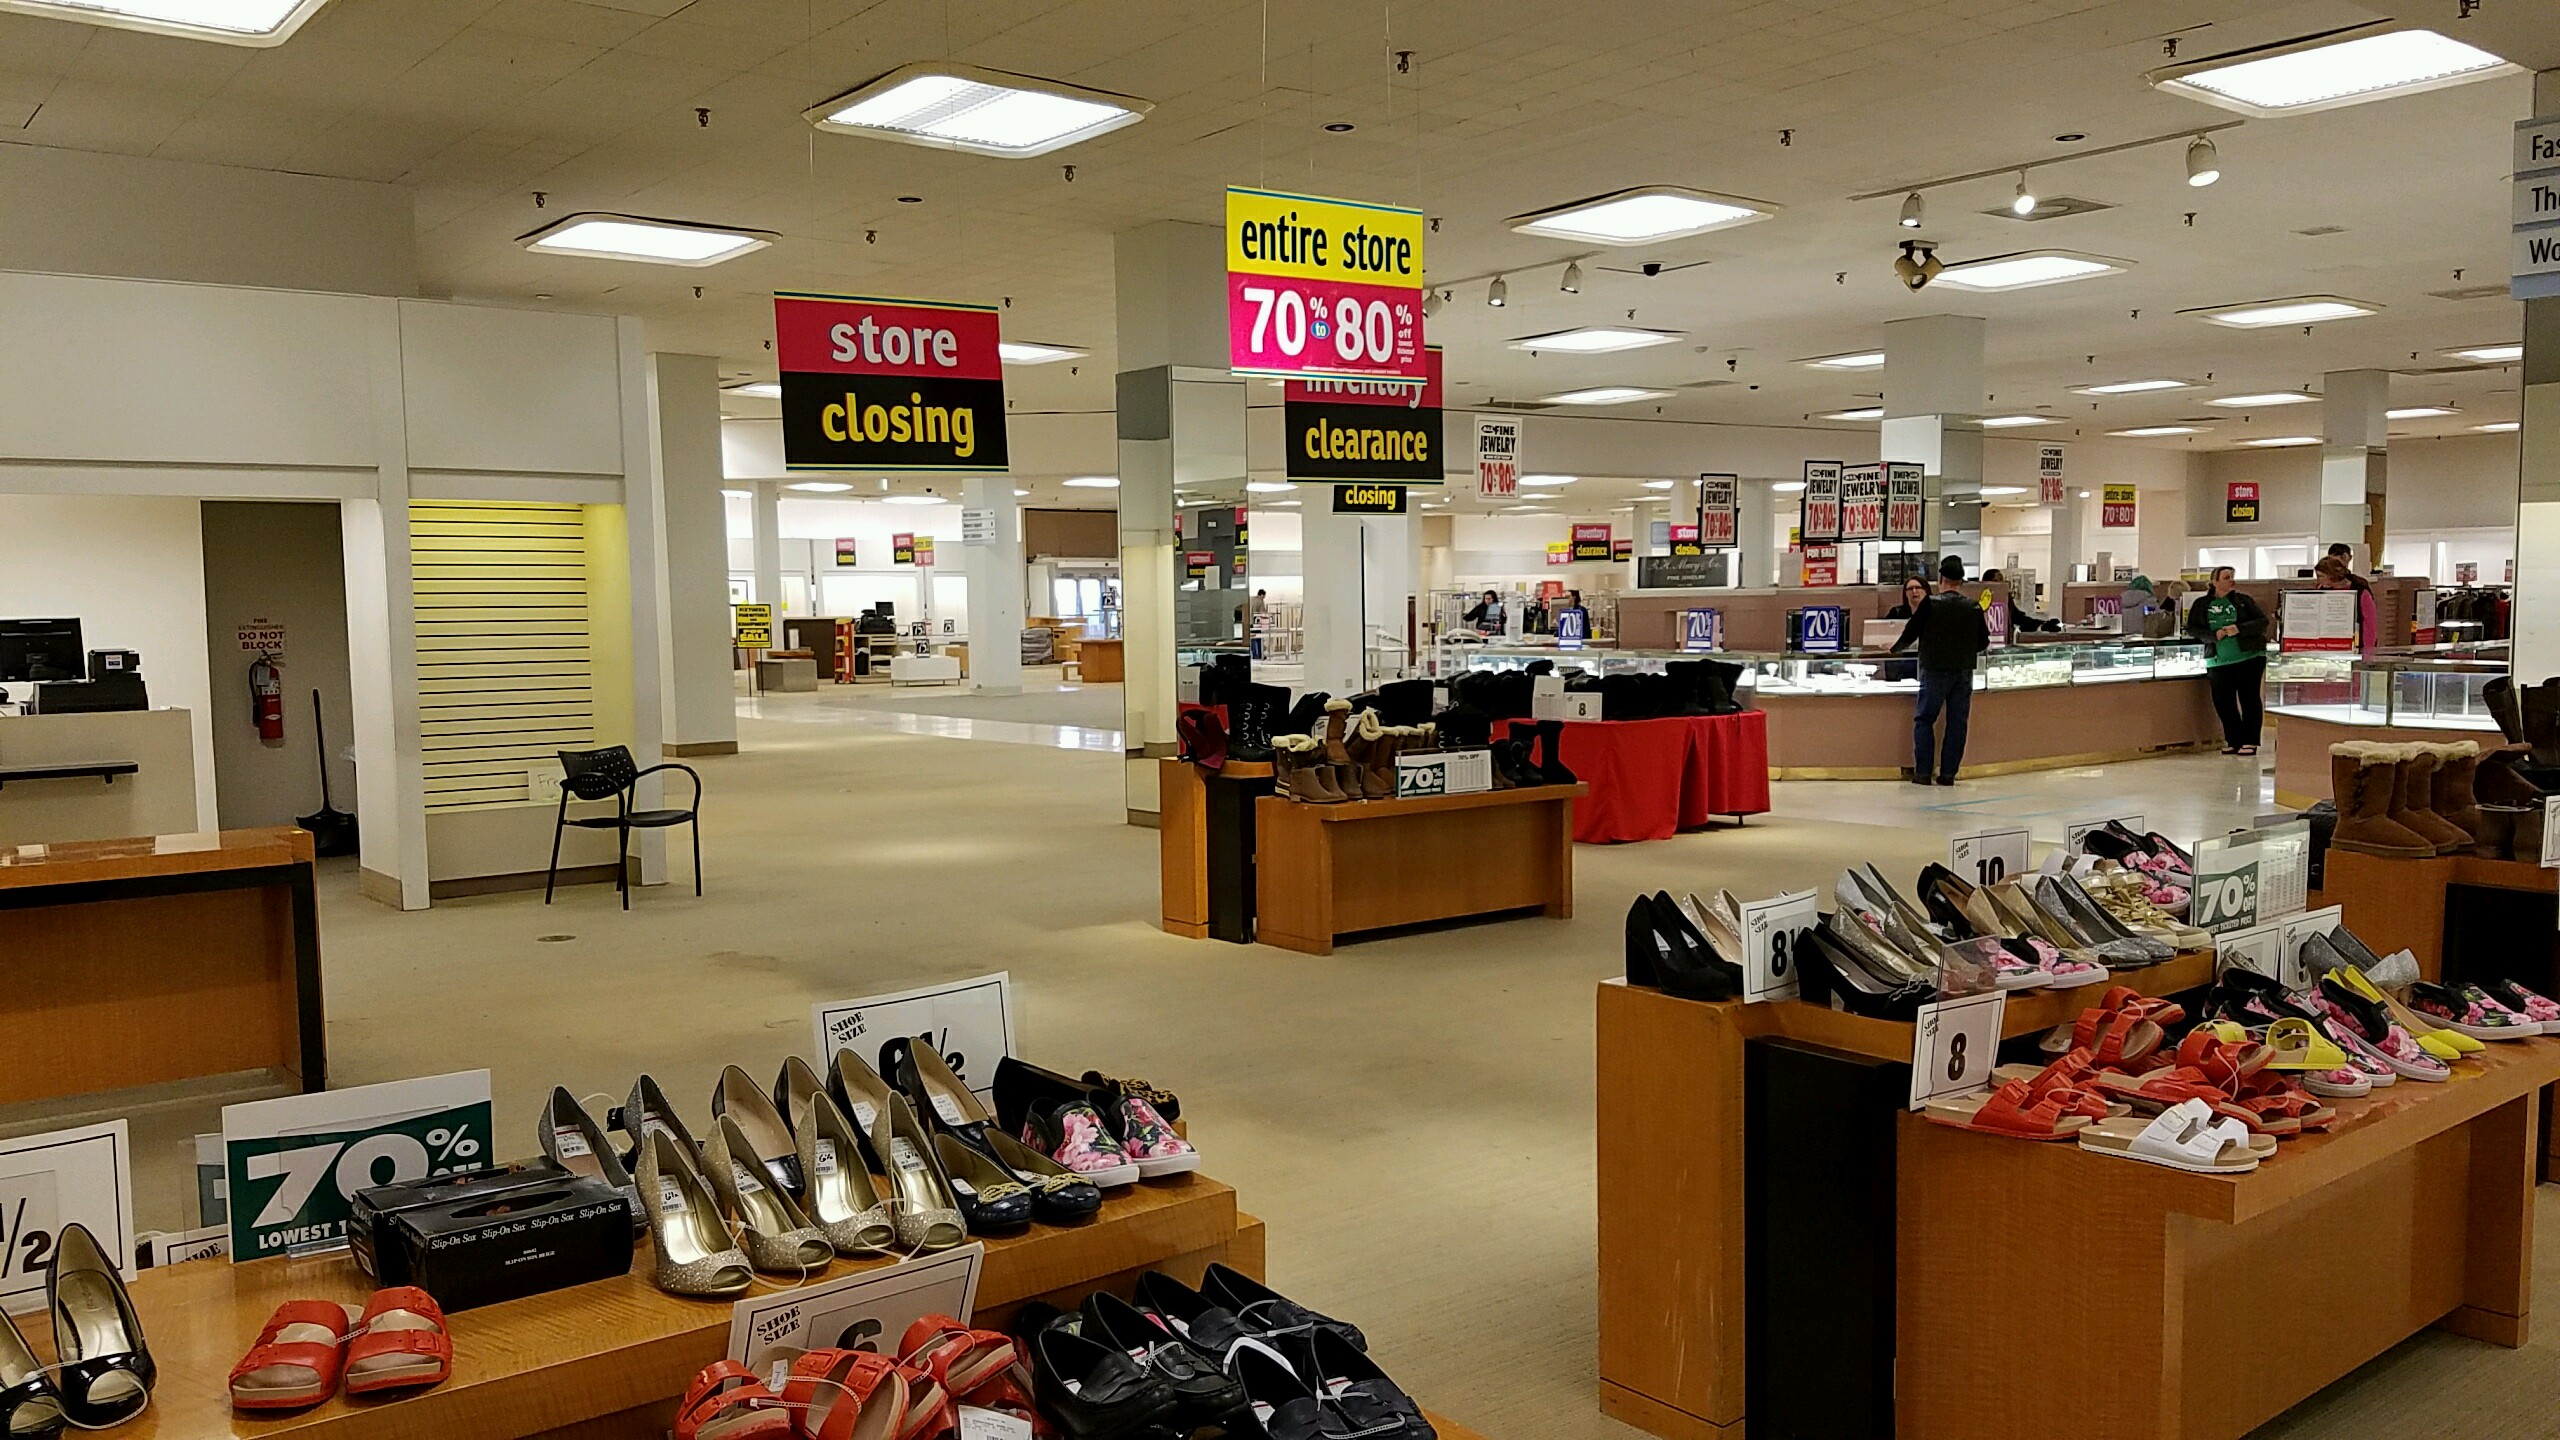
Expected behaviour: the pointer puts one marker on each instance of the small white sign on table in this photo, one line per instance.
(2298, 928)
(2551, 831)
(1771, 931)
(867, 1310)
(1990, 855)
(2078, 830)
(47, 1181)
(1955, 1044)
(970, 1022)
(2259, 949)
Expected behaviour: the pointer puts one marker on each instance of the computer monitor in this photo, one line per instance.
(41, 650)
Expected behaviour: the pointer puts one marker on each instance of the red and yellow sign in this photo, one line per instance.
(1323, 287)
(888, 384)
(2115, 508)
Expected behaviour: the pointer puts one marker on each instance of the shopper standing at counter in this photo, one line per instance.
(1485, 614)
(2233, 629)
(1950, 633)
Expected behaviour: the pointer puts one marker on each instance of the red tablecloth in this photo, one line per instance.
(1651, 779)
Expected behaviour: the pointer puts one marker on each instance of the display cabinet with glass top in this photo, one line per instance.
(2426, 687)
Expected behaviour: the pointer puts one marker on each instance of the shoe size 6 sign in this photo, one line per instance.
(1771, 931)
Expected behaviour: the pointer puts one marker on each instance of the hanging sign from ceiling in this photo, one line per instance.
(1861, 502)
(1364, 429)
(1821, 514)
(2049, 474)
(1906, 499)
(872, 384)
(1323, 287)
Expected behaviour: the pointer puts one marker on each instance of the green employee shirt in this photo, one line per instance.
(2219, 611)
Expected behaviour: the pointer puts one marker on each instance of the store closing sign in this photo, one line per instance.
(1368, 500)
(2115, 507)
(1497, 458)
(1323, 287)
(82, 1175)
(1682, 540)
(2240, 502)
(1718, 510)
(2049, 474)
(1905, 500)
(1862, 502)
(870, 384)
(1364, 429)
(1821, 502)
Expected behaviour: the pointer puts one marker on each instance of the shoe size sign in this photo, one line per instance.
(296, 1164)
(1771, 930)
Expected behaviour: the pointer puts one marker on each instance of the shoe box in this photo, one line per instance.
(484, 1236)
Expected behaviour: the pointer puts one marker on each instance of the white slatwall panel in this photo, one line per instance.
(505, 679)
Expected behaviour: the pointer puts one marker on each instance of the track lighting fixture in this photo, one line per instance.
(1572, 282)
(1498, 294)
(1919, 263)
(1912, 206)
(1430, 302)
(2204, 163)
(2024, 203)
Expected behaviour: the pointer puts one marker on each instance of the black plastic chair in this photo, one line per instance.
(611, 774)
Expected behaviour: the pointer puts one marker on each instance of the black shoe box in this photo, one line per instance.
(489, 1236)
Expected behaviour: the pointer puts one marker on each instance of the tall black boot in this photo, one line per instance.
(1685, 683)
(1304, 715)
(2499, 696)
(1551, 769)
(1719, 685)
(2542, 723)
(1404, 702)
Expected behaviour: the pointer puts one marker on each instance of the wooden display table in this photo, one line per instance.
(611, 1358)
(1100, 662)
(2400, 904)
(2213, 1302)
(1693, 1217)
(176, 957)
(1324, 871)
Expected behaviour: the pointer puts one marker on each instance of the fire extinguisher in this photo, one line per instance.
(266, 691)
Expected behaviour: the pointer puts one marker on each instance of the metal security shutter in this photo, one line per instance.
(505, 677)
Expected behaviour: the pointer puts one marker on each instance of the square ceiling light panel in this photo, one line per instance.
(984, 112)
(258, 23)
(2153, 432)
(2012, 422)
(2027, 269)
(757, 390)
(2132, 387)
(1872, 412)
(2489, 354)
(2263, 399)
(2338, 67)
(1026, 352)
(1642, 216)
(2421, 412)
(599, 236)
(1607, 395)
(2291, 310)
(1595, 339)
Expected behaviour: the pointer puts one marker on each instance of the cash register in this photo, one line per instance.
(47, 655)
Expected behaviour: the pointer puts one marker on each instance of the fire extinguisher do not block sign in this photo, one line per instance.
(266, 694)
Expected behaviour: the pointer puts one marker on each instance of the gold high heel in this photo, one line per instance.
(928, 1214)
(696, 1255)
(778, 1239)
(836, 1192)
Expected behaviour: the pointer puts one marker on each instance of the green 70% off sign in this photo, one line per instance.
(296, 1164)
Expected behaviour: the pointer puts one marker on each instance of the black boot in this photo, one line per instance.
(1684, 686)
(1551, 769)
(1719, 687)
(2542, 723)
(1512, 767)
(1404, 702)
(1253, 717)
(2499, 696)
(1304, 715)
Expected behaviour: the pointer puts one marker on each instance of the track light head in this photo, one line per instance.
(1430, 302)
(2024, 203)
(1572, 282)
(1912, 210)
(1919, 263)
(1498, 294)
(2204, 163)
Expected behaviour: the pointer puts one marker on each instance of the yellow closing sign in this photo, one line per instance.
(755, 627)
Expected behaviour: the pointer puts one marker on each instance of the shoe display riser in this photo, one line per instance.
(1325, 871)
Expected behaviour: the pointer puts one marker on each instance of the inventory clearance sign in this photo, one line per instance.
(1821, 516)
(1323, 287)
(1590, 542)
(888, 384)
(1365, 429)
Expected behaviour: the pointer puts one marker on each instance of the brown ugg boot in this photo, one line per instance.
(1331, 730)
(1302, 772)
(2360, 775)
(2497, 781)
(2413, 799)
(2454, 803)
(1379, 774)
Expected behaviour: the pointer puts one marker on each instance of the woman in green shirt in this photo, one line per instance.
(2233, 629)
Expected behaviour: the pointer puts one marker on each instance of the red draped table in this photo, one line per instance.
(1651, 779)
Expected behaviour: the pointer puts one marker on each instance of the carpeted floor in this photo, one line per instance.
(1413, 1116)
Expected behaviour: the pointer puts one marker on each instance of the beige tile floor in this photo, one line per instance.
(1412, 1116)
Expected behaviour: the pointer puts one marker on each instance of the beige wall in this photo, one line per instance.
(278, 561)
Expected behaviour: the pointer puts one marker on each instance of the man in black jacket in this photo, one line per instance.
(1950, 633)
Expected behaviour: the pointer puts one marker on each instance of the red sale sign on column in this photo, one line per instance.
(1323, 287)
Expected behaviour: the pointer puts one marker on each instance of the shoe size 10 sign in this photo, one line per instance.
(1771, 931)
(1989, 856)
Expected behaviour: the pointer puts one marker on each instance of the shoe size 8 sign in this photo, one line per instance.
(1954, 1044)
(1771, 931)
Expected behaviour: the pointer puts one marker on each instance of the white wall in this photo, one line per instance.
(131, 570)
(280, 562)
(2458, 482)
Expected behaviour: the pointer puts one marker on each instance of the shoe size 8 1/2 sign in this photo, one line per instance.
(1771, 930)
(970, 1022)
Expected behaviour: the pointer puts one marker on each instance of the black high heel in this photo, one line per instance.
(29, 1407)
(106, 1372)
(1686, 962)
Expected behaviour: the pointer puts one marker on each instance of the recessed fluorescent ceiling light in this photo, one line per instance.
(1094, 482)
(1548, 481)
(1023, 352)
(2275, 441)
(1660, 484)
(1018, 494)
(2028, 269)
(630, 237)
(985, 112)
(2012, 422)
(1872, 412)
(820, 487)
(2420, 412)
(761, 390)
(2489, 354)
(2264, 401)
(1596, 339)
(1642, 216)
(1607, 395)
(912, 500)
(2292, 310)
(2149, 432)
(1999, 490)
(1861, 360)
(1267, 487)
(2498, 427)
(1786, 487)
(2130, 387)
(2327, 71)
(232, 22)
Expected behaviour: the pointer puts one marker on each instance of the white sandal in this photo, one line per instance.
(2186, 1136)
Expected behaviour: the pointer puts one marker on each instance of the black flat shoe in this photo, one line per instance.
(1059, 1196)
(1093, 1391)
(106, 1372)
(29, 1407)
(1265, 1312)
(1202, 1323)
(1203, 1391)
(1286, 1403)
(1019, 1083)
(1353, 1385)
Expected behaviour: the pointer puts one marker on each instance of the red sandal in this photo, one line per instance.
(2115, 1037)
(960, 1358)
(2011, 1110)
(2221, 1061)
(403, 1343)
(281, 1373)
(727, 1402)
(2129, 1001)
(830, 1390)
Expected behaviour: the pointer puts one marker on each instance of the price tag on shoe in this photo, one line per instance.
(1954, 1046)
(1771, 931)
(1988, 856)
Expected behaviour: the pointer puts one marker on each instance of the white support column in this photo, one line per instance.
(701, 713)
(2355, 436)
(1335, 597)
(1755, 520)
(643, 507)
(1933, 416)
(382, 652)
(768, 510)
(994, 567)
